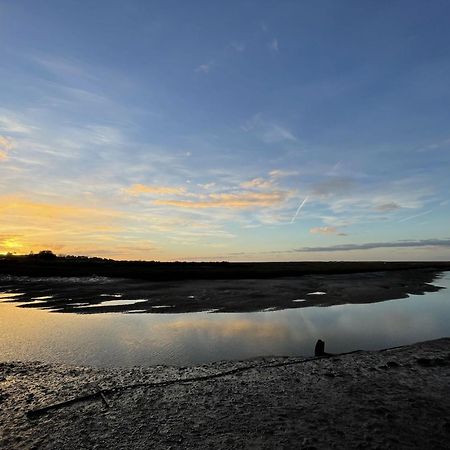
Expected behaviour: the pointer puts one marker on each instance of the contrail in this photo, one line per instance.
(405, 219)
(298, 209)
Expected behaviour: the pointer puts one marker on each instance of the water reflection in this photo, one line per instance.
(147, 339)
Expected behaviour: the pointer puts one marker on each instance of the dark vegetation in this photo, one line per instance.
(47, 264)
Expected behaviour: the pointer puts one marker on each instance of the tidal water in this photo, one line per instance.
(115, 339)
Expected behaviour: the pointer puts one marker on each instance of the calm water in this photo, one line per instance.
(181, 339)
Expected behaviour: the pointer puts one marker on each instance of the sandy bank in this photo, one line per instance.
(397, 398)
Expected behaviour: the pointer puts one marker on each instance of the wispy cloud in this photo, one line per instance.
(277, 173)
(63, 67)
(205, 67)
(326, 230)
(352, 201)
(273, 45)
(375, 245)
(387, 207)
(256, 192)
(207, 186)
(277, 133)
(138, 189)
(6, 145)
(238, 200)
(104, 135)
(258, 183)
(439, 145)
(333, 186)
(238, 46)
(11, 124)
(268, 131)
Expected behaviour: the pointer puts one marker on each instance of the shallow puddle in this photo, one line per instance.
(116, 302)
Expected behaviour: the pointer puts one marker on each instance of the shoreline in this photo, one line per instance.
(370, 399)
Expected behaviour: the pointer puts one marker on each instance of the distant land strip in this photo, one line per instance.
(49, 265)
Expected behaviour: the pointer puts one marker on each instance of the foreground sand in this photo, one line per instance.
(398, 398)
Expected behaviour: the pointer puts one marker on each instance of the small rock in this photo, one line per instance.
(392, 364)
(430, 362)
(425, 362)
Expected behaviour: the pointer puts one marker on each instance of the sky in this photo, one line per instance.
(238, 130)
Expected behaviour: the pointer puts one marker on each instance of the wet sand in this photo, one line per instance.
(90, 295)
(396, 398)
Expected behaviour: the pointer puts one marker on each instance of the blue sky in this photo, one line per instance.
(241, 130)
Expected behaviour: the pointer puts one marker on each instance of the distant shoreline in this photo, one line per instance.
(35, 266)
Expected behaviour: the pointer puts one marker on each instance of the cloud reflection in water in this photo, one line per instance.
(149, 339)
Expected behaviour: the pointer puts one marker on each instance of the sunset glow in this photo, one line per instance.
(249, 133)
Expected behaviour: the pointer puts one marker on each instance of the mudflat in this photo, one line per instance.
(97, 294)
(395, 398)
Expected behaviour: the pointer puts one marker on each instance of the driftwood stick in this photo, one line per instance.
(101, 394)
(37, 412)
(105, 400)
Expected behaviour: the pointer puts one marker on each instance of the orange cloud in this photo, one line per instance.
(326, 230)
(137, 189)
(55, 226)
(29, 225)
(256, 192)
(22, 207)
(257, 183)
(240, 200)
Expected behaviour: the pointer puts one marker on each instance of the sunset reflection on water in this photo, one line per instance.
(181, 339)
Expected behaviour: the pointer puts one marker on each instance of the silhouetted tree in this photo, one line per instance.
(46, 255)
